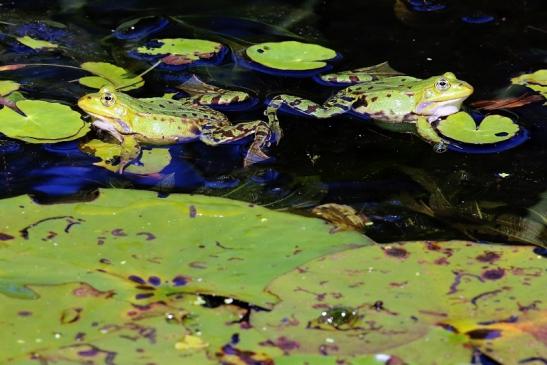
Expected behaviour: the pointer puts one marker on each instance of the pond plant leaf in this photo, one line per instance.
(42, 122)
(181, 51)
(224, 241)
(108, 74)
(36, 44)
(8, 86)
(493, 128)
(151, 161)
(290, 55)
(441, 297)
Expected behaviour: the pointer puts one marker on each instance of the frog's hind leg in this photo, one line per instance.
(263, 132)
(205, 94)
(338, 104)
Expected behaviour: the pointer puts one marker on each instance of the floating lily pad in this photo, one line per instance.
(291, 55)
(151, 160)
(36, 43)
(425, 302)
(109, 74)
(223, 242)
(42, 122)
(180, 51)
(8, 86)
(492, 129)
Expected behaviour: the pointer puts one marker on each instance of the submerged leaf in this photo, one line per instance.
(462, 128)
(42, 122)
(36, 43)
(536, 81)
(290, 55)
(109, 74)
(151, 160)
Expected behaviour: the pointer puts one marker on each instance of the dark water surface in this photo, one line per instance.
(408, 191)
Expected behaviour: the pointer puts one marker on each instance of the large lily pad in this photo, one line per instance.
(192, 243)
(290, 55)
(493, 128)
(109, 75)
(442, 298)
(181, 51)
(42, 122)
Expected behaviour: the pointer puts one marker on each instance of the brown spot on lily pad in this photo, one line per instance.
(397, 252)
(493, 274)
(488, 256)
(5, 237)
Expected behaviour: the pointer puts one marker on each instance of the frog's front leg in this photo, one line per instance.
(264, 134)
(338, 104)
(130, 151)
(429, 134)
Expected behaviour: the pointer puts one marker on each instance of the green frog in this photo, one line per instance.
(393, 101)
(161, 121)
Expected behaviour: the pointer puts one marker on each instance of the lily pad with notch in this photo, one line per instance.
(492, 134)
(42, 122)
(289, 58)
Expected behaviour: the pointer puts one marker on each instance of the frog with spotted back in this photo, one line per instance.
(161, 121)
(392, 101)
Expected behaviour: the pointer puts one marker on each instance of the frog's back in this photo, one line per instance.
(183, 109)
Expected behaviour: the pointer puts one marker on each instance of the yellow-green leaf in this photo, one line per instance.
(110, 75)
(8, 86)
(36, 43)
(462, 128)
(290, 55)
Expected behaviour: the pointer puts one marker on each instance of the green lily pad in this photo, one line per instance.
(36, 43)
(42, 122)
(8, 86)
(180, 51)
(151, 161)
(110, 75)
(493, 128)
(425, 302)
(204, 245)
(290, 55)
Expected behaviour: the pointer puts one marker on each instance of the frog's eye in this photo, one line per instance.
(108, 99)
(442, 84)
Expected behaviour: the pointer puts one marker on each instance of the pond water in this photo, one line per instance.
(493, 193)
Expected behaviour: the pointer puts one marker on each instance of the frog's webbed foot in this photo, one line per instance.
(130, 151)
(205, 94)
(428, 133)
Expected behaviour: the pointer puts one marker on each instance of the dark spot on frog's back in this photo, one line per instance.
(374, 98)
(493, 274)
(388, 95)
(397, 252)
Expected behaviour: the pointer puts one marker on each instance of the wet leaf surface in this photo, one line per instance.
(109, 74)
(412, 294)
(8, 86)
(181, 51)
(36, 43)
(290, 55)
(493, 128)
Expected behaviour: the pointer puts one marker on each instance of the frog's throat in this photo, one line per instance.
(106, 125)
(439, 108)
